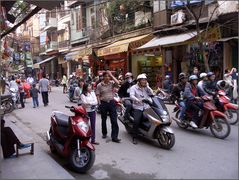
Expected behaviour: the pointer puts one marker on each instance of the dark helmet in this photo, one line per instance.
(209, 74)
(182, 76)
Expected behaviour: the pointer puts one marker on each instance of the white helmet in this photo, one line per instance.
(203, 75)
(141, 76)
(193, 77)
(128, 74)
(71, 76)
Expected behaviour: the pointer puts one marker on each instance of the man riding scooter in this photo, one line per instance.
(210, 88)
(73, 83)
(138, 93)
(178, 93)
(124, 93)
(192, 100)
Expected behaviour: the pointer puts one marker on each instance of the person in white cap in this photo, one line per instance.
(138, 92)
(202, 83)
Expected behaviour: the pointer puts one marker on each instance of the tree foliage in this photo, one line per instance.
(121, 13)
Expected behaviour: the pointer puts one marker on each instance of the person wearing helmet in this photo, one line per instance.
(211, 85)
(191, 99)
(124, 93)
(73, 83)
(211, 88)
(201, 84)
(223, 85)
(177, 92)
(138, 92)
(167, 84)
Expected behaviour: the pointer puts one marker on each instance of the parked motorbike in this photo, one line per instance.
(165, 96)
(230, 109)
(69, 136)
(7, 103)
(211, 117)
(155, 123)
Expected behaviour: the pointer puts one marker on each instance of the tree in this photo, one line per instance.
(120, 13)
(201, 37)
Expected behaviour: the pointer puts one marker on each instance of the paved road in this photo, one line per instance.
(196, 154)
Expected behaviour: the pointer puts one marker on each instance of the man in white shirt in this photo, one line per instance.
(138, 92)
(30, 79)
(44, 88)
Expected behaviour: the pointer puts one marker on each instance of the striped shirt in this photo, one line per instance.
(105, 91)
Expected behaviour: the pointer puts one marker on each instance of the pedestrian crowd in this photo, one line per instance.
(98, 95)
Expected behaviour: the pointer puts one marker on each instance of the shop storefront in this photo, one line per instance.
(151, 63)
(180, 53)
(79, 61)
(117, 56)
(48, 66)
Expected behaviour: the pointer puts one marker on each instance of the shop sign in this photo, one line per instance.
(213, 34)
(84, 52)
(16, 57)
(29, 62)
(22, 56)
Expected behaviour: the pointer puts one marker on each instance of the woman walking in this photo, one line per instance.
(89, 101)
(64, 82)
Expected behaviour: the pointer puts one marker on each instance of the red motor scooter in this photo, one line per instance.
(69, 136)
(230, 109)
(211, 117)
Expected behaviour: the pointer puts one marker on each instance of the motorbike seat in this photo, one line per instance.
(6, 96)
(62, 119)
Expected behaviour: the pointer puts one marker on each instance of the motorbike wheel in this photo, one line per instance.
(52, 148)
(166, 140)
(220, 128)
(7, 106)
(83, 163)
(232, 116)
(181, 125)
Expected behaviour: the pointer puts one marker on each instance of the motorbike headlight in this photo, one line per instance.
(83, 126)
(165, 119)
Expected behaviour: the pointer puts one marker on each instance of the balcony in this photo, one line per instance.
(53, 45)
(80, 36)
(51, 24)
(62, 22)
(64, 44)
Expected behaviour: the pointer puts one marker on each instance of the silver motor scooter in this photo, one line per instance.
(154, 124)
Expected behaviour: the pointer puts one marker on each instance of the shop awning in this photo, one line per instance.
(228, 39)
(36, 66)
(71, 56)
(46, 60)
(168, 40)
(84, 52)
(78, 53)
(123, 45)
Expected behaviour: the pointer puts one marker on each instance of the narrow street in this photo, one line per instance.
(196, 154)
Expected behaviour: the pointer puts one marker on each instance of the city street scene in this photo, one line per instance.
(119, 89)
